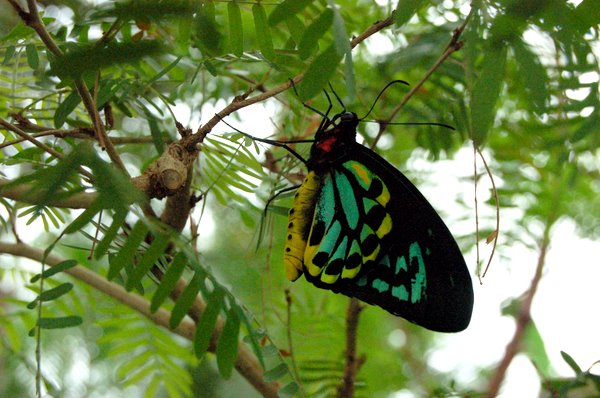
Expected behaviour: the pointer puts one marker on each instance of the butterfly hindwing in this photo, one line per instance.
(375, 237)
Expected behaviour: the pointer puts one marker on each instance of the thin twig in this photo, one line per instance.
(497, 199)
(38, 338)
(110, 33)
(40, 145)
(103, 140)
(83, 133)
(353, 363)
(288, 300)
(476, 206)
(454, 45)
(32, 18)
(26, 137)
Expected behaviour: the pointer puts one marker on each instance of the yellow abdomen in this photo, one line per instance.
(299, 221)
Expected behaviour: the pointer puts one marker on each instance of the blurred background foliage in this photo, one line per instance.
(523, 88)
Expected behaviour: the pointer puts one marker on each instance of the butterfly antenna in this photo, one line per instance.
(412, 124)
(325, 121)
(280, 144)
(337, 97)
(381, 93)
(315, 110)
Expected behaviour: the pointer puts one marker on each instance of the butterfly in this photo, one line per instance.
(359, 227)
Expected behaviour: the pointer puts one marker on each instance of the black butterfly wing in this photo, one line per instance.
(375, 237)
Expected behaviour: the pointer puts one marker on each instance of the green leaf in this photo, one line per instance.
(134, 362)
(169, 280)
(111, 232)
(33, 59)
(184, 33)
(263, 32)
(406, 9)
(287, 9)
(290, 389)
(571, 362)
(51, 294)
(84, 218)
(253, 337)
(65, 108)
(20, 31)
(319, 72)
(343, 48)
(340, 36)
(114, 187)
(147, 10)
(589, 125)
(49, 181)
(206, 324)
(157, 138)
(90, 58)
(206, 29)
(186, 300)
(276, 373)
(536, 350)
(270, 350)
(296, 27)
(150, 257)
(587, 14)
(227, 347)
(164, 71)
(125, 255)
(317, 29)
(62, 266)
(236, 28)
(533, 74)
(486, 92)
(8, 54)
(60, 322)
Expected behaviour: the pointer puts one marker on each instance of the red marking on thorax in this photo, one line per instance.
(327, 144)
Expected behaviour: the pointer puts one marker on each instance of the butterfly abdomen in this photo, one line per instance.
(299, 222)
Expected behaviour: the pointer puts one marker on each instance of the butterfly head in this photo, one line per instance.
(332, 138)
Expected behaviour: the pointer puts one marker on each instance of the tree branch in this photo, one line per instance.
(523, 320)
(246, 363)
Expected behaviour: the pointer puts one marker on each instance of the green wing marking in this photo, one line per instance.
(349, 222)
